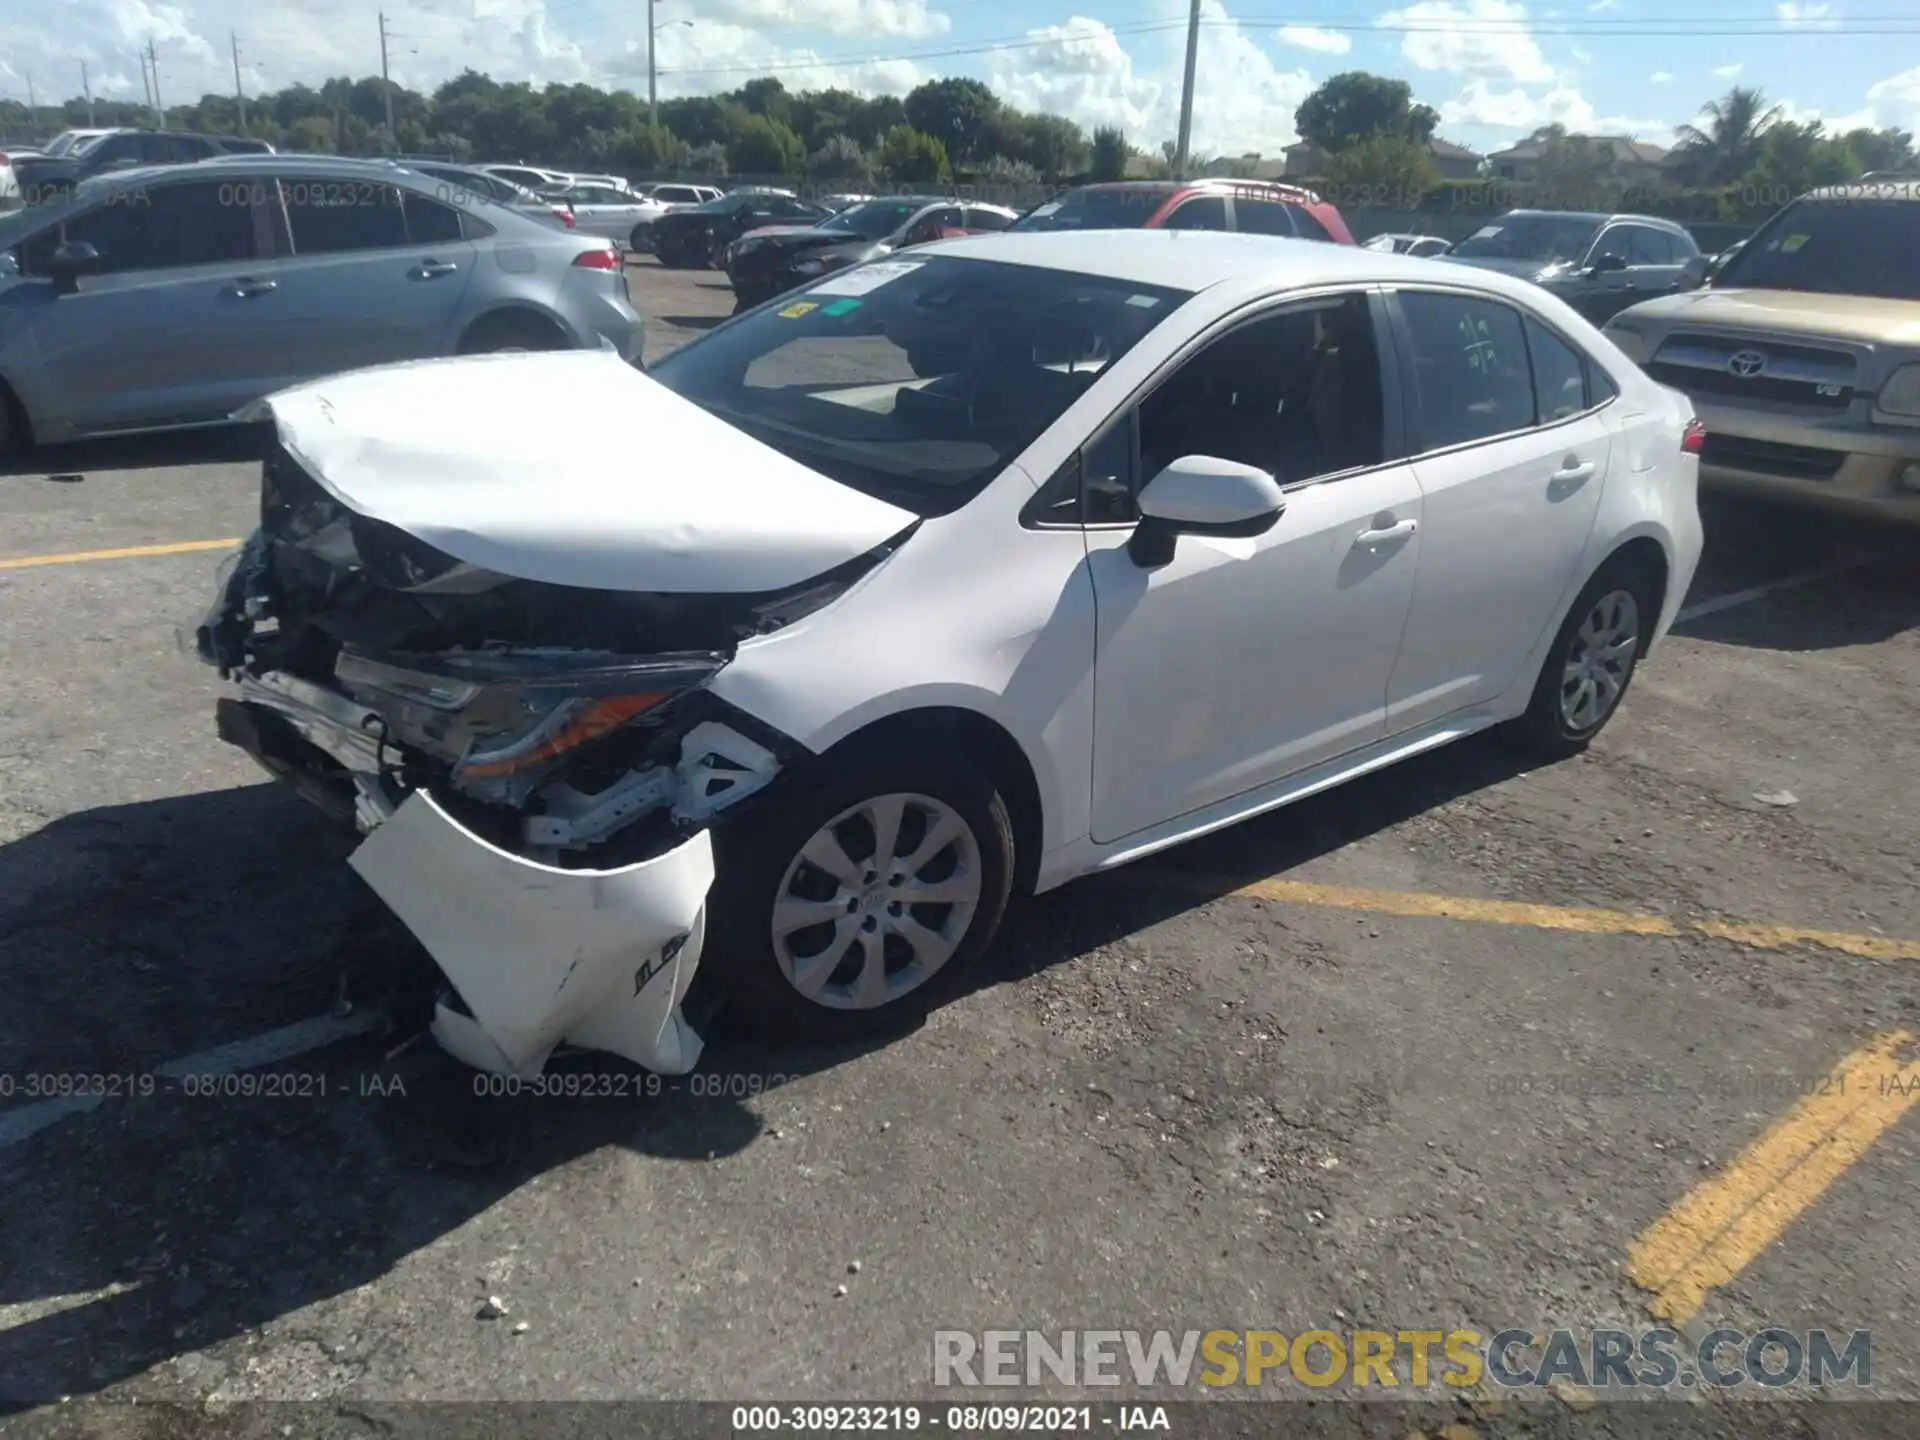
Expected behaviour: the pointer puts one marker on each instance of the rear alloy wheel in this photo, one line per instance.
(1591, 664)
(856, 901)
(511, 335)
(641, 240)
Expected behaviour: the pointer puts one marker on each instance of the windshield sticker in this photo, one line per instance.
(794, 312)
(1793, 243)
(867, 278)
(1145, 302)
(841, 307)
(1485, 232)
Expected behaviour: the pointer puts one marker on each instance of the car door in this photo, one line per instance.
(1619, 271)
(1511, 453)
(167, 330)
(1242, 661)
(370, 273)
(599, 210)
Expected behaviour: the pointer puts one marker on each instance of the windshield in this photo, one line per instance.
(1103, 208)
(725, 205)
(1834, 247)
(873, 220)
(916, 381)
(1547, 239)
(90, 143)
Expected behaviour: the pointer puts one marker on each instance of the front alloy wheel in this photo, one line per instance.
(857, 894)
(876, 902)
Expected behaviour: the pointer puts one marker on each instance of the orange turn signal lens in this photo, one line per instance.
(593, 720)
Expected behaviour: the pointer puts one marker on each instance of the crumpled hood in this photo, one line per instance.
(572, 468)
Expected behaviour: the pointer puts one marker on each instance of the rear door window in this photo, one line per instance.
(1470, 360)
(1203, 212)
(1261, 217)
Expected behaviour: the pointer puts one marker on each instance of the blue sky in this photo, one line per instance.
(1494, 69)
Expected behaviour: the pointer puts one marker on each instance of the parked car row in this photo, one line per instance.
(172, 297)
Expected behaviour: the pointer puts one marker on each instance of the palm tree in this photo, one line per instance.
(1727, 142)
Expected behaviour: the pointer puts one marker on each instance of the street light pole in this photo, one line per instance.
(653, 88)
(386, 85)
(1186, 93)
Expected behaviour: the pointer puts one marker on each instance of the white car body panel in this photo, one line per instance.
(600, 958)
(1151, 706)
(395, 443)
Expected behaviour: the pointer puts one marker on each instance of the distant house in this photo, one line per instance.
(1454, 162)
(1632, 159)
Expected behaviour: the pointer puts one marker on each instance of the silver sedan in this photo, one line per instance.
(172, 297)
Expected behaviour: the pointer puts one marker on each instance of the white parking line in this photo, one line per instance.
(1717, 603)
(268, 1049)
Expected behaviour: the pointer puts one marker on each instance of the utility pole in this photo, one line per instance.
(1186, 93)
(146, 84)
(239, 93)
(653, 92)
(33, 101)
(159, 106)
(86, 88)
(385, 83)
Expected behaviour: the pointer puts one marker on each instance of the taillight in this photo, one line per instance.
(597, 260)
(565, 217)
(1693, 439)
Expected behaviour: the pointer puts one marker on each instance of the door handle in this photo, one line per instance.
(246, 289)
(1573, 472)
(1366, 539)
(432, 269)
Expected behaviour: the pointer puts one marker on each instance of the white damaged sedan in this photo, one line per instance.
(951, 577)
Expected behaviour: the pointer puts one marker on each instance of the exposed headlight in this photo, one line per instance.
(1901, 394)
(505, 719)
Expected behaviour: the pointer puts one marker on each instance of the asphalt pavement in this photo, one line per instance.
(1462, 1045)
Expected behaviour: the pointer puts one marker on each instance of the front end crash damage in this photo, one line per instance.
(535, 767)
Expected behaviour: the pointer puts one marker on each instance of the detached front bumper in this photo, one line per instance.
(536, 955)
(540, 955)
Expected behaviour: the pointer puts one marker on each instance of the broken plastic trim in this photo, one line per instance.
(538, 955)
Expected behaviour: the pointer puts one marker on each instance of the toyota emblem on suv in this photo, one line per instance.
(1747, 364)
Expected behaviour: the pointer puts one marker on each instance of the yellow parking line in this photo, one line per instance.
(131, 552)
(1717, 1229)
(1557, 917)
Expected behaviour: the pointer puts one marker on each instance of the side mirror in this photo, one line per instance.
(1202, 495)
(68, 263)
(1606, 264)
(1694, 273)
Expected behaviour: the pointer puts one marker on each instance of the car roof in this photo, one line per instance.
(1894, 187)
(1196, 259)
(114, 182)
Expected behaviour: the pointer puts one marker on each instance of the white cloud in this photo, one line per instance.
(1660, 77)
(1308, 37)
(1078, 69)
(1484, 38)
(706, 57)
(1584, 57)
(1727, 72)
(1516, 110)
(908, 18)
(1903, 88)
(1244, 104)
(1806, 16)
(1599, 5)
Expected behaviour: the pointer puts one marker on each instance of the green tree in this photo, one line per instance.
(1887, 149)
(841, 158)
(958, 112)
(1796, 157)
(766, 96)
(1726, 144)
(913, 157)
(311, 134)
(646, 149)
(1110, 154)
(766, 147)
(1396, 169)
(1052, 144)
(1354, 106)
(707, 159)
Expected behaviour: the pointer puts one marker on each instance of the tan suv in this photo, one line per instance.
(1802, 352)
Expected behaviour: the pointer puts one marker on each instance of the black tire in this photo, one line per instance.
(641, 240)
(1552, 728)
(752, 859)
(492, 334)
(15, 433)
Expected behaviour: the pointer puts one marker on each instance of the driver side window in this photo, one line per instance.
(1297, 394)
